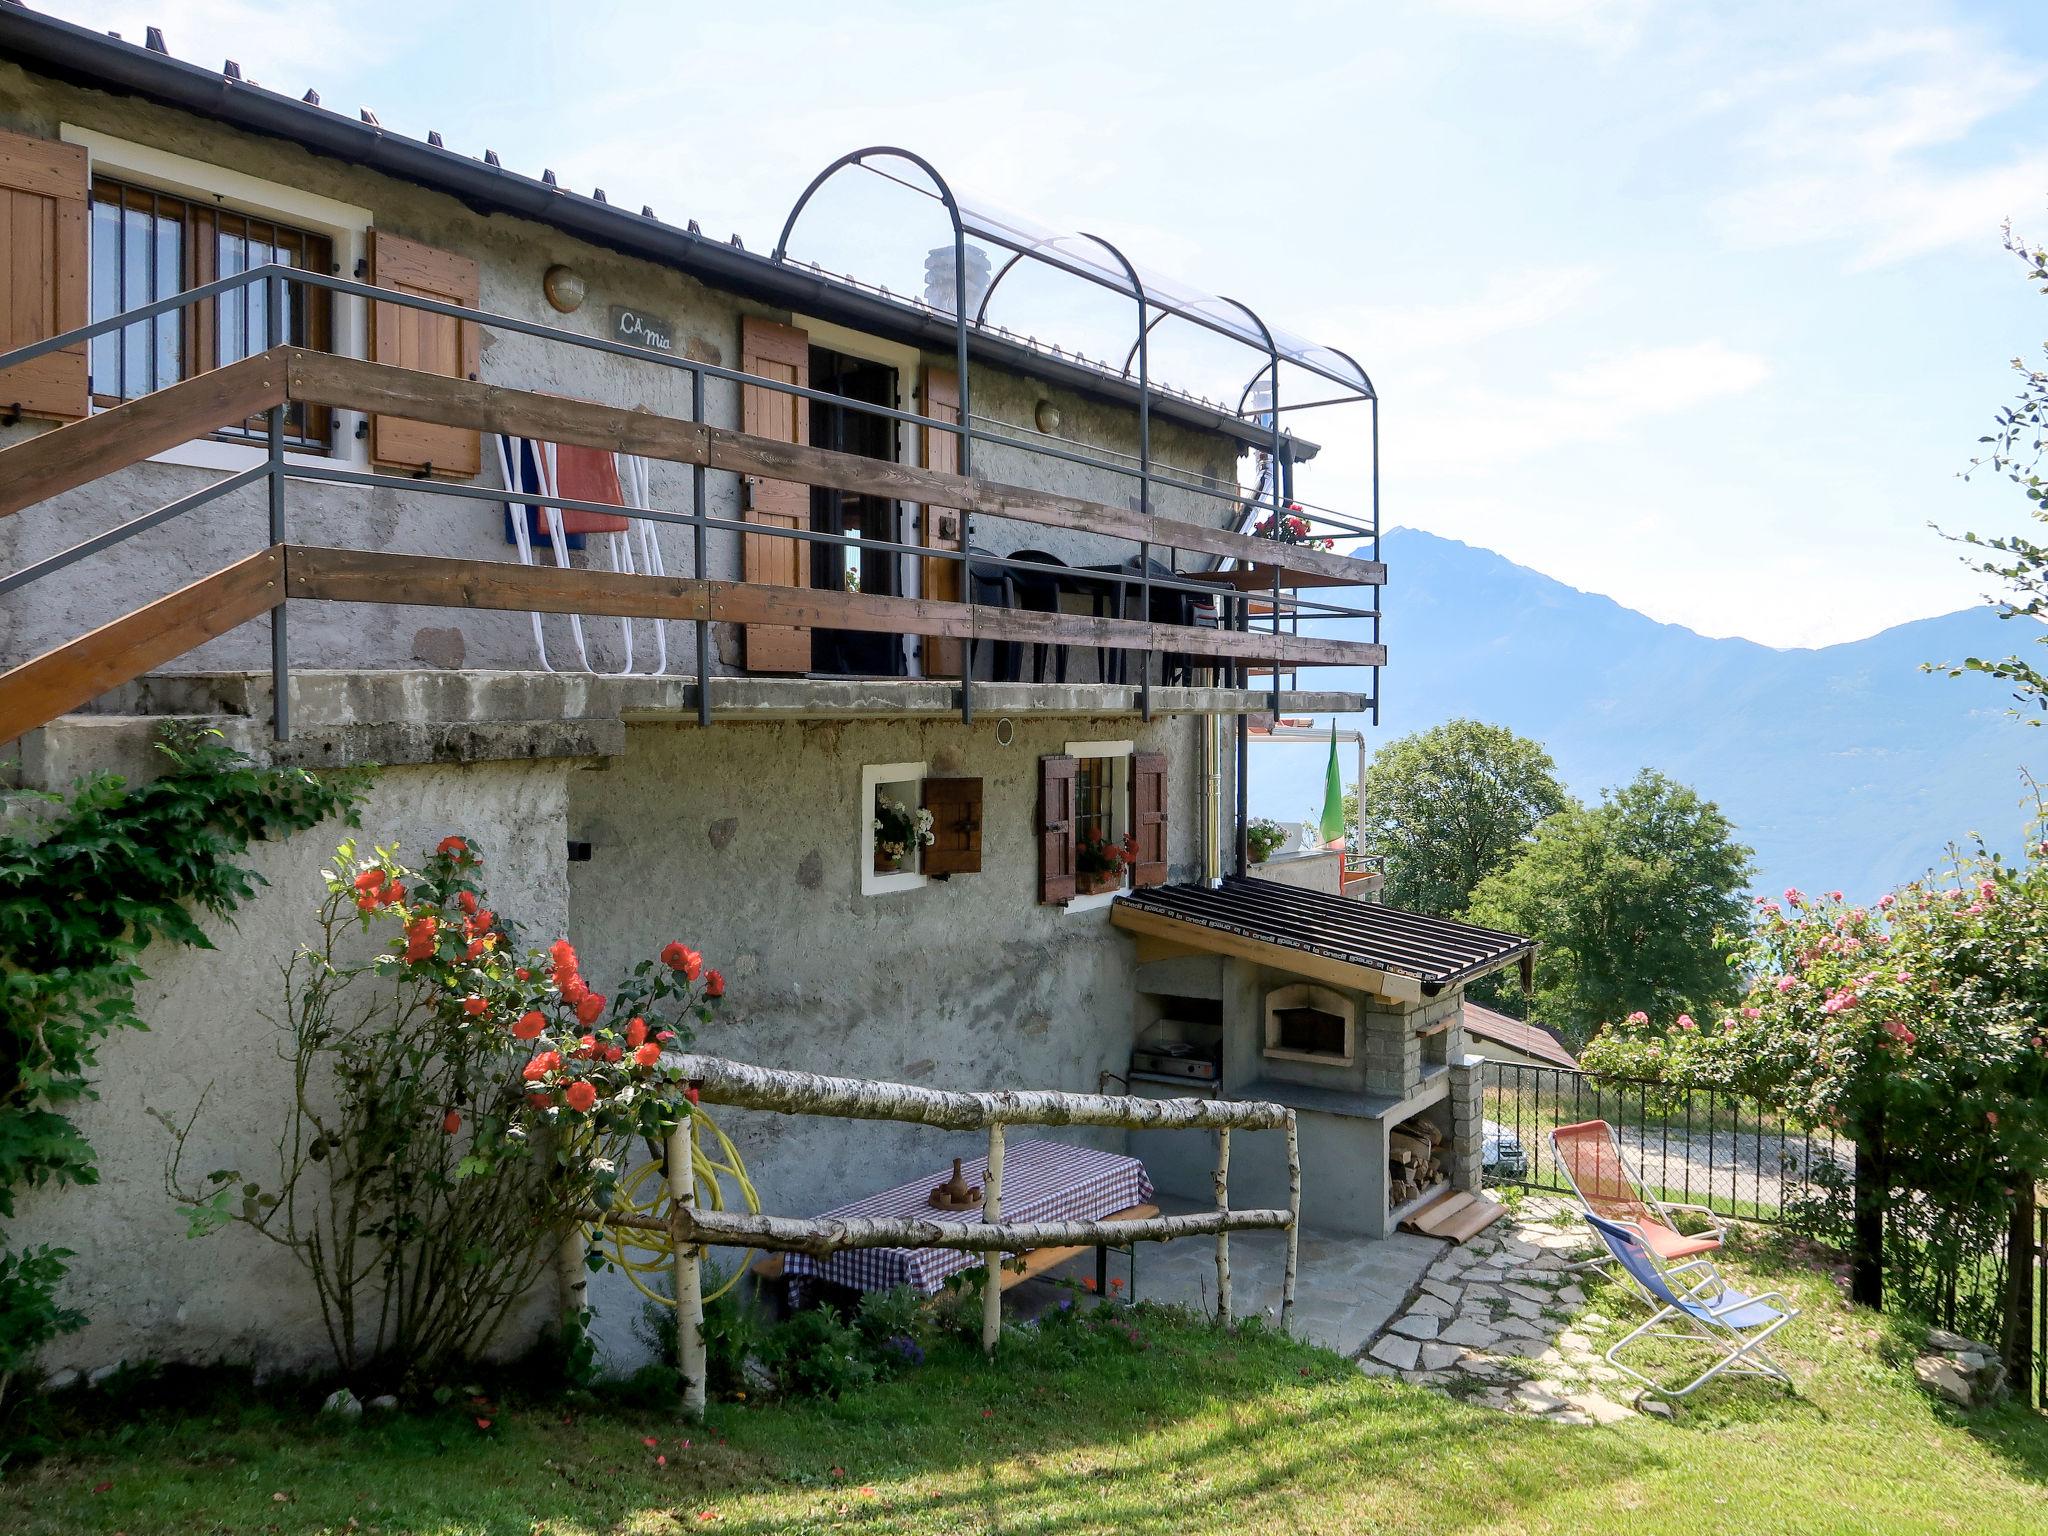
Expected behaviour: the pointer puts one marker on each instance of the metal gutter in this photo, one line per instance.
(92, 59)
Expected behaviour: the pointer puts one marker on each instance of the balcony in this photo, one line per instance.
(1182, 603)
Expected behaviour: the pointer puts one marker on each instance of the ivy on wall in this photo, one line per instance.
(87, 882)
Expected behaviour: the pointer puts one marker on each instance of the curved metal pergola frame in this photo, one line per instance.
(1155, 302)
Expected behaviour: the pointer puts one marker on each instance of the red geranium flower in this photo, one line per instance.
(530, 1024)
(714, 984)
(581, 1095)
(648, 1054)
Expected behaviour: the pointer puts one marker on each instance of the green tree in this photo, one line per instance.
(2017, 563)
(1626, 900)
(1447, 807)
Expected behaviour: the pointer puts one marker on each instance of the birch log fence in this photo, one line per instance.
(716, 1081)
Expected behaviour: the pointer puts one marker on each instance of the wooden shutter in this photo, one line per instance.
(1058, 778)
(782, 353)
(44, 273)
(955, 805)
(943, 526)
(412, 338)
(1148, 818)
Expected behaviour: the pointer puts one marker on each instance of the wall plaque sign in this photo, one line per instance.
(637, 328)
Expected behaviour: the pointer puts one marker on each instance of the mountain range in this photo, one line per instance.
(1843, 766)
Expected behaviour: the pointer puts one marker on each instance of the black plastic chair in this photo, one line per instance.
(1114, 600)
(1039, 592)
(994, 588)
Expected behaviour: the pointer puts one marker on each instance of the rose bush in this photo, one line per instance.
(1915, 1026)
(456, 1098)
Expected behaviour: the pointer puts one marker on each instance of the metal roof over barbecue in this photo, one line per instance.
(1380, 948)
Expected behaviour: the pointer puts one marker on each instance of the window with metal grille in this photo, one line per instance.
(1095, 800)
(148, 245)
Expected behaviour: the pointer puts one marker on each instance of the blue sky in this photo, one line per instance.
(1699, 306)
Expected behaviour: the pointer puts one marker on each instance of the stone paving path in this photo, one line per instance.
(1499, 1321)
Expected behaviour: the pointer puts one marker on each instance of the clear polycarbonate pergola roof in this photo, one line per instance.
(1097, 261)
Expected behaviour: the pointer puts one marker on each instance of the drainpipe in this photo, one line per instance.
(1212, 799)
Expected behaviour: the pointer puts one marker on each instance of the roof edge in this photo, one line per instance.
(96, 60)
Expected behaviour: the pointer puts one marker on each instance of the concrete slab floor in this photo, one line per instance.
(1346, 1289)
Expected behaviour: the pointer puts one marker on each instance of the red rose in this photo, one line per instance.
(466, 900)
(369, 879)
(612, 1053)
(476, 947)
(452, 846)
(529, 1026)
(422, 937)
(591, 1008)
(581, 1095)
(714, 985)
(474, 1006)
(394, 893)
(648, 1055)
(366, 903)
(541, 1065)
(522, 973)
(665, 1036)
(678, 956)
(563, 955)
(636, 1031)
(451, 1122)
(587, 1046)
(540, 1100)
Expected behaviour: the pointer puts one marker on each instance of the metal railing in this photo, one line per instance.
(1693, 1146)
(1233, 604)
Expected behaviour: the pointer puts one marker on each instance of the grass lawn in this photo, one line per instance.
(1186, 1430)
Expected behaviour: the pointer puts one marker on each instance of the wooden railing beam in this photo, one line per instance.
(437, 581)
(76, 673)
(320, 378)
(50, 463)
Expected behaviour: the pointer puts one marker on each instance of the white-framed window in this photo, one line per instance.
(163, 222)
(1102, 808)
(891, 817)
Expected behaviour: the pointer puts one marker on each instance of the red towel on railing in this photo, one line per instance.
(588, 474)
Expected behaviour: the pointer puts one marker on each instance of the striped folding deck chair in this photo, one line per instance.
(574, 473)
(1693, 1302)
(1590, 1155)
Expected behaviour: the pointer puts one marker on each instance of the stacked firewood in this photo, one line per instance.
(1414, 1159)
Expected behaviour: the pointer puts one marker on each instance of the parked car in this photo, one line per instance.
(1500, 1152)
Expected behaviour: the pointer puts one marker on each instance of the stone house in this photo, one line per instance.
(802, 642)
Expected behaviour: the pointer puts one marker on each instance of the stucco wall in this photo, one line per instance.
(513, 254)
(148, 1290)
(744, 841)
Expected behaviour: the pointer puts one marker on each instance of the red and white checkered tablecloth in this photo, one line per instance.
(1042, 1181)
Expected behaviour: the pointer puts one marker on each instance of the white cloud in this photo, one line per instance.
(1603, 24)
(1484, 430)
(1870, 144)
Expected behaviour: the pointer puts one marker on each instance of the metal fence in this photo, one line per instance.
(1695, 1146)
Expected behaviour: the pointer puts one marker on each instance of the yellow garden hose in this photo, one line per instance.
(639, 1250)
